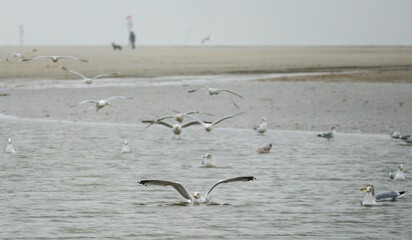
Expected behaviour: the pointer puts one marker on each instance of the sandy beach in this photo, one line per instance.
(363, 90)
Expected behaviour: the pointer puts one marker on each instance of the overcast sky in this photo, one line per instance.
(229, 22)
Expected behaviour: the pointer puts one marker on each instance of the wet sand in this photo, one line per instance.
(374, 99)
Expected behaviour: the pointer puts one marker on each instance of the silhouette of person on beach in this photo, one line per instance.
(132, 39)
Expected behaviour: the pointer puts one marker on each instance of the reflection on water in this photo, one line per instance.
(69, 180)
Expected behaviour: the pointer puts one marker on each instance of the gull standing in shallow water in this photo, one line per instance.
(328, 135)
(87, 80)
(196, 197)
(371, 199)
(395, 135)
(398, 175)
(54, 58)
(264, 149)
(261, 127)
(9, 147)
(208, 161)
(209, 126)
(126, 148)
(102, 103)
(211, 91)
(176, 128)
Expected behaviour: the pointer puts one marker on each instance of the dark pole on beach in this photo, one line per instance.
(21, 28)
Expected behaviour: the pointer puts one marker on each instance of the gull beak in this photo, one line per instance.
(363, 189)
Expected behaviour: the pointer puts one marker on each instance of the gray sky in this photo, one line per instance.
(229, 22)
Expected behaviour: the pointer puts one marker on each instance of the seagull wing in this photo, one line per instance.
(392, 175)
(151, 122)
(74, 72)
(83, 102)
(194, 90)
(190, 124)
(227, 117)
(392, 195)
(178, 186)
(226, 90)
(118, 97)
(35, 58)
(196, 119)
(73, 58)
(236, 179)
(104, 75)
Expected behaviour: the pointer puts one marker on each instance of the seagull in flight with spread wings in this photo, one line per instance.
(209, 126)
(211, 91)
(101, 103)
(54, 58)
(196, 198)
(87, 80)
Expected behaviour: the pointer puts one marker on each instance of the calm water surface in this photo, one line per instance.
(69, 180)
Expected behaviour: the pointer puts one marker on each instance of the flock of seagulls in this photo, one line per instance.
(369, 199)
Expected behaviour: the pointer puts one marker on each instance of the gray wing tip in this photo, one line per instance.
(250, 178)
(143, 182)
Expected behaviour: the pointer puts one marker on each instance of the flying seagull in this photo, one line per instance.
(9, 147)
(196, 197)
(208, 161)
(101, 103)
(398, 175)
(11, 56)
(179, 117)
(211, 91)
(206, 39)
(328, 135)
(209, 126)
(87, 80)
(261, 127)
(176, 128)
(54, 58)
(371, 199)
(126, 148)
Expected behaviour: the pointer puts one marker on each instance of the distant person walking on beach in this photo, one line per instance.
(132, 39)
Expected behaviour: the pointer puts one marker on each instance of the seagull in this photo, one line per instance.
(87, 80)
(9, 148)
(206, 39)
(395, 135)
(371, 199)
(101, 103)
(407, 138)
(208, 161)
(179, 117)
(54, 58)
(11, 56)
(262, 127)
(196, 197)
(211, 91)
(209, 126)
(399, 175)
(176, 128)
(328, 135)
(125, 148)
(264, 149)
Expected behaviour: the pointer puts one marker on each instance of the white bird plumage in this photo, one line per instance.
(126, 148)
(9, 147)
(209, 126)
(371, 199)
(176, 128)
(328, 135)
(54, 58)
(88, 80)
(208, 161)
(261, 127)
(101, 103)
(398, 175)
(196, 197)
(211, 91)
